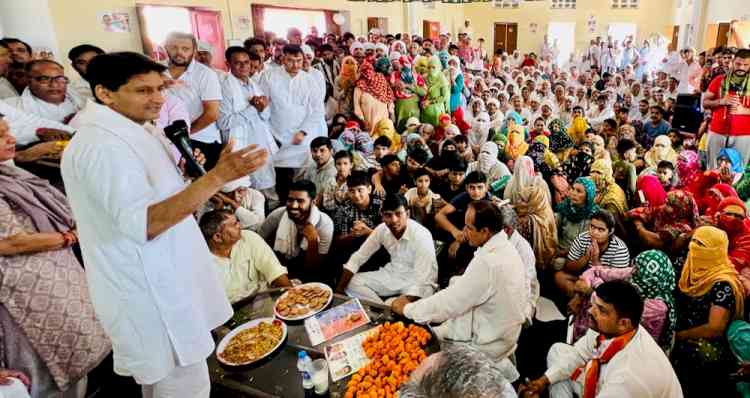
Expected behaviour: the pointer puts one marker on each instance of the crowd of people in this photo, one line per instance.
(460, 188)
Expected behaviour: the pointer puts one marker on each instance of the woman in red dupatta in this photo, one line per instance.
(660, 226)
(714, 196)
(731, 216)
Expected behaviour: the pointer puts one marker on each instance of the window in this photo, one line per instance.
(280, 20)
(564, 4)
(507, 3)
(620, 4)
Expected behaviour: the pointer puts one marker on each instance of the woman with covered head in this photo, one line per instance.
(50, 336)
(662, 150)
(373, 96)
(489, 164)
(659, 227)
(560, 142)
(731, 217)
(654, 277)
(408, 89)
(343, 88)
(573, 216)
(609, 195)
(437, 100)
(456, 80)
(710, 296)
(530, 198)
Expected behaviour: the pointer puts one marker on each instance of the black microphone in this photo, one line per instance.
(177, 132)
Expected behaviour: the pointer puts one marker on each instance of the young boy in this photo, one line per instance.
(381, 147)
(455, 184)
(463, 149)
(665, 172)
(335, 191)
(422, 202)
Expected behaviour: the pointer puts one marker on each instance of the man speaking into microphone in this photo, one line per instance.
(151, 276)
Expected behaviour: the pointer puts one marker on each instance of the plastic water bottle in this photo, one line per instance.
(304, 365)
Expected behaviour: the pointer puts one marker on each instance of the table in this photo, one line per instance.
(277, 375)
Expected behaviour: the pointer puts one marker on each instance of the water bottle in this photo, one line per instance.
(304, 365)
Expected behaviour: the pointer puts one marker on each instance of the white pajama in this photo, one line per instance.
(182, 382)
(376, 284)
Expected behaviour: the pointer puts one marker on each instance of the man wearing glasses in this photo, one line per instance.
(47, 94)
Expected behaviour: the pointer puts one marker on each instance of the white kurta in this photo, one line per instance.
(157, 299)
(639, 370)
(485, 305)
(242, 121)
(197, 84)
(6, 89)
(29, 103)
(295, 106)
(23, 125)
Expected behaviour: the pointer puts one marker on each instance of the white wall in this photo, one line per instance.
(30, 21)
(727, 10)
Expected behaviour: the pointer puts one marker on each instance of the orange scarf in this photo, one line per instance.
(592, 375)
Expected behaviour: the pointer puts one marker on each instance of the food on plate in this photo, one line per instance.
(395, 351)
(252, 343)
(302, 300)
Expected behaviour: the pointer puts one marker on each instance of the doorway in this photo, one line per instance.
(431, 30)
(675, 38)
(506, 36)
(564, 35)
(377, 23)
(158, 21)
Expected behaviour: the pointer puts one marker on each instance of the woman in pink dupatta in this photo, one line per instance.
(48, 330)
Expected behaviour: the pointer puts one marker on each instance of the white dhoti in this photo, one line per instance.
(184, 381)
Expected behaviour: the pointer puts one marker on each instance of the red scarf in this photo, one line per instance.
(592, 375)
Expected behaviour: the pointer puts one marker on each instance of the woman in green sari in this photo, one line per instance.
(436, 101)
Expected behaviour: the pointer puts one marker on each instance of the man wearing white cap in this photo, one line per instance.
(381, 50)
(357, 50)
(317, 75)
(247, 204)
(205, 56)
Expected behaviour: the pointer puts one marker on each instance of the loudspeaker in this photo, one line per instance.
(687, 113)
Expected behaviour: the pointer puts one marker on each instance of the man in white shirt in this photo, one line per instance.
(151, 277)
(318, 77)
(198, 87)
(412, 271)
(484, 306)
(617, 355)
(47, 94)
(6, 88)
(297, 114)
(244, 114)
(688, 72)
(601, 112)
(25, 125)
(320, 168)
(301, 234)
(79, 57)
(205, 56)
(244, 260)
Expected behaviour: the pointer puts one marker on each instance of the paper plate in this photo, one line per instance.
(225, 341)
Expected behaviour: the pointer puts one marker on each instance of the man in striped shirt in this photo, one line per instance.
(597, 247)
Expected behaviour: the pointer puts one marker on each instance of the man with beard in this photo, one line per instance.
(616, 358)
(20, 51)
(728, 97)
(412, 271)
(300, 234)
(198, 87)
(357, 50)
(79, 57)
(297, 114)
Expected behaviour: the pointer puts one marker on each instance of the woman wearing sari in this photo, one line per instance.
(437, 100)
(343, 88)
(559, 141)
(609, 195)
(688, 169)
(47, 323)
(710, 203)
(384, 127)
(488, 163)
(710, 296)
(654, 277)
(530, 197)
(573, 216)
(559, 187)
(662, 150)
(659, 227)
(653, 192)
(579, 165)
(408, 89)
(544, 160)
(373, 96)
(731, 217)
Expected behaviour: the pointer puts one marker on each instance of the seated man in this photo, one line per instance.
(484, 306)
(598, 246)
(454, 186)
(247, 204)
(392, 178)
(436, 376)
(245, 261)
(357, 217)
(450, 221)
(47, 95)
(616, 358)
(412, 270)
(322, 170)
(301, 234)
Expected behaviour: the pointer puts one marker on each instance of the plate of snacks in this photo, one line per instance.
(303, 301)
(251, 342)
(395, 351)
